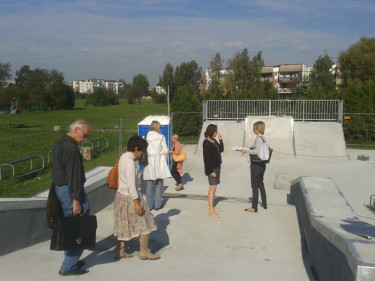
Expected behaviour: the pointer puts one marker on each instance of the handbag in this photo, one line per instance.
(264, 155)
(179, 157)
(143, 161)
(74, 233)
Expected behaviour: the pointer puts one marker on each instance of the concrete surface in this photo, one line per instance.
(237, 246)
(194, 246)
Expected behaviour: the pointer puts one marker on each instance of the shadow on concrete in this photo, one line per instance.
(313, 276)
(359, 228)
(186, 178)
(160, 238)
(102, 253)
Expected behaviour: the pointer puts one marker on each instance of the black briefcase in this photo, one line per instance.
(74, 233)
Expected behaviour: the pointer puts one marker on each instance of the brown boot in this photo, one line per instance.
(120, 251)
(144, 253)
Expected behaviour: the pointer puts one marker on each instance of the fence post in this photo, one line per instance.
(237, 109)
(204, 111)
(269, 107)
(340, 112)
(120, 139)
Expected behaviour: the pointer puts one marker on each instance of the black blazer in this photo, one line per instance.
(211, 155)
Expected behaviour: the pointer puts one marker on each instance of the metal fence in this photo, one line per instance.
(300, 110)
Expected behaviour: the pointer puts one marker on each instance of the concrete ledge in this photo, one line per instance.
(332, 231)
(24, 219)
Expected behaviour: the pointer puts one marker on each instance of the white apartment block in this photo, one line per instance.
(160, 90)
(88, 86)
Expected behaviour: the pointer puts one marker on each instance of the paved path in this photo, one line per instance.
(195, 246)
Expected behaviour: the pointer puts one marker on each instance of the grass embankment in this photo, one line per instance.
(31, 133)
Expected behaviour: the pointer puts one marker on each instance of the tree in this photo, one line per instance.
(5, 73)
(321, 79)
(61, 96)
(186, 74)
(122, 90)
(132, 95)
(22, 74)
(215, 89)
(101, 97)
(358, 62)
(36, 88)
(244, 75)
(140, 84)
(186, 110)
(167, 78)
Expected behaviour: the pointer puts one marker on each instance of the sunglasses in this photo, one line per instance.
(85, 136)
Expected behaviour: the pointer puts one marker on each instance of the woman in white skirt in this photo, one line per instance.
(132, 217)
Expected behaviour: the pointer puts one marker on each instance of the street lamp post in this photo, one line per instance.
(169, 81)
(168, 100)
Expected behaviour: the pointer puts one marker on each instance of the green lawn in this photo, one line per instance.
(36, 136)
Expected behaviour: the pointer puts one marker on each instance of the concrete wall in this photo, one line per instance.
(287, 138)
(331, 230)
(320, 139)
(23, 220)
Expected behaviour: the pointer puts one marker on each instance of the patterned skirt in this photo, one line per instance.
(128, 224)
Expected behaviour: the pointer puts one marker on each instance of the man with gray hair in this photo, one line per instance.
(69, 177)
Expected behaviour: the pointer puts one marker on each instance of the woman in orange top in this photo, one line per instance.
(176, 170)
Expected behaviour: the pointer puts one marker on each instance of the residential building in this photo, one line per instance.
(88, 86)
(160, 90)
(337, 75)
(284, 77)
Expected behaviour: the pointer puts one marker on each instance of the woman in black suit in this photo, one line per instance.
(212, 147)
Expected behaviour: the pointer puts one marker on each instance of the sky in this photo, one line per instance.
(112, 40)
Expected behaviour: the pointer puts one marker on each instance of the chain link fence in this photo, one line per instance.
(359, 129)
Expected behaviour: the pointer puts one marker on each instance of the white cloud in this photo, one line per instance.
(84, 44)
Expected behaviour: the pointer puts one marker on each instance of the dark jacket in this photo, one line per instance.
(53, 209)
(67, 166)
(211, 155)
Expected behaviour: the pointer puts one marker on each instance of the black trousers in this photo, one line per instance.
(175, 174)
(257, 184)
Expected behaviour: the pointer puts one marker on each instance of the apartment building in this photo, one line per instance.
(160, 90)
(89, 85)
(284, 77)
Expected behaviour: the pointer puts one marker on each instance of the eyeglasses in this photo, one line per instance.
(85, 136)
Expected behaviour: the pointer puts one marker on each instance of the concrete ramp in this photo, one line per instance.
(287, 138)
(320, 139)
(232, 131)
(278, 133)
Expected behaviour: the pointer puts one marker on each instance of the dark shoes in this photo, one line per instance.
(76, 271)
(81, 263)
(263, 206)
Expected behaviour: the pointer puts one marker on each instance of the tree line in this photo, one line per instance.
(243, 80)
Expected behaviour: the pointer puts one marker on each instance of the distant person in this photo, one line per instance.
(257, 168)
(132, 217)
(157, 169)
(176, 169)
(212, 150)
(69, 177)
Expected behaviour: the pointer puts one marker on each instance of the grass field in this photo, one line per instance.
(31, 133)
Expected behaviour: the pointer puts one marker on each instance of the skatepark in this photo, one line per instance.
(317, 190)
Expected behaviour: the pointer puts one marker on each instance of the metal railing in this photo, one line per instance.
(300, 110)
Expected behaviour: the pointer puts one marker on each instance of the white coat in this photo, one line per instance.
(157, 151)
